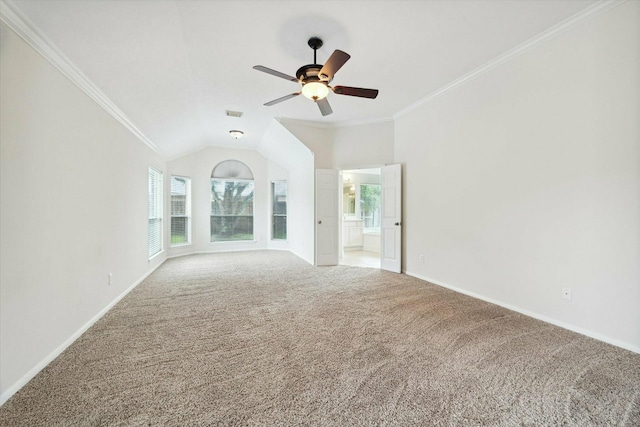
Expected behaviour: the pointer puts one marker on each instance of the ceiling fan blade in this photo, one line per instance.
(323, 105)
(333, 64)
(275, 73)
(284, 98)
(356, 91)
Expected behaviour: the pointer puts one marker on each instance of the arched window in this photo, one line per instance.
(231, 202)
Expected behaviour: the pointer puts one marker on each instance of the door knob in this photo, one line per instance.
(320, 222)
(397, 223)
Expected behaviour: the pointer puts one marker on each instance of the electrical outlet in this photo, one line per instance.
(110, 279)
(421, 258)
(566, 294)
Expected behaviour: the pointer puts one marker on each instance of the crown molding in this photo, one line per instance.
(591, 11)
(20, 24)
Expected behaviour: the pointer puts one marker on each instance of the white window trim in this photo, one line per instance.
(253, 231)
(286, 239)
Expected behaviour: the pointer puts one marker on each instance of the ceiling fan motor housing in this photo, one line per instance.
(311, 73)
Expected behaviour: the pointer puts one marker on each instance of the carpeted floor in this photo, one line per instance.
(262, 338)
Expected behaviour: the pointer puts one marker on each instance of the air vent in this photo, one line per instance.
(234, 113)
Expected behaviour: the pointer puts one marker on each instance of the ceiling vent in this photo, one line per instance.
(234, 113)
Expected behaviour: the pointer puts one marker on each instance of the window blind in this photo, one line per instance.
(155, 211)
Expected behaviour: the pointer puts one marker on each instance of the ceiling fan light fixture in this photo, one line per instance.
(315, 90)
(236, 134)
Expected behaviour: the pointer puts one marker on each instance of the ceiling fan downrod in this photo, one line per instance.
(315, 43)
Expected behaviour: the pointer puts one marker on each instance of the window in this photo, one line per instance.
(180, 210)
(279, 215)
(370, 205)
(231, 202)
(155, 212)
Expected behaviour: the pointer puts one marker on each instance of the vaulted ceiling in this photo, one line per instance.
(174, 67)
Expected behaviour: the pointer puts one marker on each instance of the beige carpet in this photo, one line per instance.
(262, 338)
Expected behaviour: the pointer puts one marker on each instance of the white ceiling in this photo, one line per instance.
(174, 67)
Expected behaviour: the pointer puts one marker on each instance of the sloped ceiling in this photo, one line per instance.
(175, 67)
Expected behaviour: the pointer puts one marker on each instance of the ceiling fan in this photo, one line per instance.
(315, 79)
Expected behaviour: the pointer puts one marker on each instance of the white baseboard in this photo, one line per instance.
(588, 333)
(62, 347)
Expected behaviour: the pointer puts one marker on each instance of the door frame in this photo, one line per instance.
(394, 265)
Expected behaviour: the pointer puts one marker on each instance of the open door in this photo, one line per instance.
(391, 245)
(327, 216)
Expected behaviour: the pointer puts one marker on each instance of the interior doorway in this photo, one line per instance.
(361, 219)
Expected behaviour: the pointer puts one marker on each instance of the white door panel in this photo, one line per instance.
(327, 217)
(391, 253)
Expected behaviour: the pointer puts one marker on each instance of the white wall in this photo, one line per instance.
(346, 147)
(73, 191)
(280, 145)
(318, 138)
(526, 180)
(276, 172)
(364, 145)
(198, 166)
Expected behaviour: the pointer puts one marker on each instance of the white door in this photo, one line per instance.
(391, 250)
(327, 216)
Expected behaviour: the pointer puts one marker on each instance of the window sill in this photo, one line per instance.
(179, 245)
(156, 255)
(233, 242)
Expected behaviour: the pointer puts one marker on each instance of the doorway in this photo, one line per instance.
(330, 218)
(361, 219)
